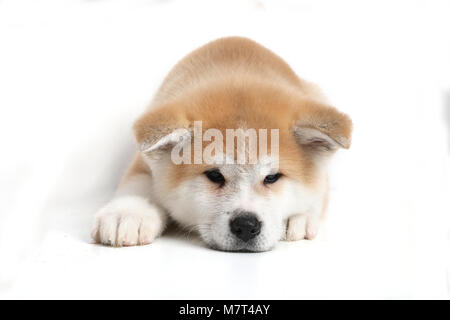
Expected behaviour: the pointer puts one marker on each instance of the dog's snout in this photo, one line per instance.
(245, 227)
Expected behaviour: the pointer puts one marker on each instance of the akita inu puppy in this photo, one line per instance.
(238, 196)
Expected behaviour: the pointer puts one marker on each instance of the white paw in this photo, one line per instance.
(302, 227)
(127, 221)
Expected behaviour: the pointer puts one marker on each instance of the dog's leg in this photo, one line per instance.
(302, 226)
(312, 226)
(130, 218)
(306, 226)
(296, 228)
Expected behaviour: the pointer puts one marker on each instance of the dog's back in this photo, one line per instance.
(232, 60)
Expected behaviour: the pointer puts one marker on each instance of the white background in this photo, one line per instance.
(75, 74)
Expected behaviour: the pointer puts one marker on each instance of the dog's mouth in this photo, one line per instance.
(236, 245)
(231, 239)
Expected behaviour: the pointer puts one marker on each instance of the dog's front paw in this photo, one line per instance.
(127, 221)
(301, 227)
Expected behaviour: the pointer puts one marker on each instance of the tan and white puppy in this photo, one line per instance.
(230, 83)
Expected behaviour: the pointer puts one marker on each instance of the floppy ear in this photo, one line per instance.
(158, 131)
(322, 129)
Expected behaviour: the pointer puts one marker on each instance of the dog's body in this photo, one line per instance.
(229, 83)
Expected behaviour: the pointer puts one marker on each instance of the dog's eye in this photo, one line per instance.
(215, 176)
(272, 178)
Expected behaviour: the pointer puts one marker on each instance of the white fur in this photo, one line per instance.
(137, 214)
(130, 218)
(302, 226)
(193, 205)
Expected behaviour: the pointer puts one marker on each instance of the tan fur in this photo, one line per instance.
(235, 82)
(138, 166)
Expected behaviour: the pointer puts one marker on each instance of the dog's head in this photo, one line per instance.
(212, 182)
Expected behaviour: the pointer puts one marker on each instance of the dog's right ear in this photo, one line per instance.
(160, 130)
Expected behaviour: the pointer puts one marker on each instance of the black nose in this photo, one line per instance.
(245, 227)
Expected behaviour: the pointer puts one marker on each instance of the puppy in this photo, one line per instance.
(237, 194)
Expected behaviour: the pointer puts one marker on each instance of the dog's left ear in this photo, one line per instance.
(322, 129)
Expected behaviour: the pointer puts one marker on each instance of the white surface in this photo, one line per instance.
(75, 74)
